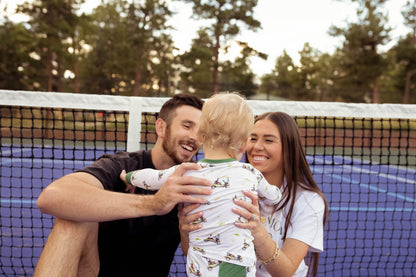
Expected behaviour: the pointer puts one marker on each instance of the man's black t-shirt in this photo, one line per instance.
(142, 246)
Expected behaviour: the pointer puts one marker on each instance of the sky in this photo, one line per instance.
(286, 25)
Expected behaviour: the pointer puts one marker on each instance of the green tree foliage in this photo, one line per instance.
(392, 82)
(283, 81)
(314, 73)
(77, 52)
(323, 79)
(51, 24)
(196, 76)
(146, 20)
(124, 47)
(132, 54)
(102, 65)
(362, 62)
(311, 80)
(406, 49)
(17, 67)
(345, 87)
(268, 85)
(164, 66)
(237, 75)
(226, 15)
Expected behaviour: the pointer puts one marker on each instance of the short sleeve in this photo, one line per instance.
(307, 221)
(107, 169)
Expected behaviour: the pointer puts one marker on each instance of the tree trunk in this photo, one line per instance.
(408, 83)
(49, 76)
(322, 94)
(47, 125)
(76, 77)
(215, 68)
(137, 81)
(58, 76)
(376, 94)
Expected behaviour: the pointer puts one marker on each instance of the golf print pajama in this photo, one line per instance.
(219, 248)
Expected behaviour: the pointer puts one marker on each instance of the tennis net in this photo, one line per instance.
(363, 157)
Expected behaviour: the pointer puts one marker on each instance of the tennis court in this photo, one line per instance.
(368, 178)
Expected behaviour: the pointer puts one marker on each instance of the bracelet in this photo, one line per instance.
(272, 258)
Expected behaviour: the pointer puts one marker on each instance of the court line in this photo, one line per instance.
(393, 177)
(353, 168)
(17, 201)
(370, 187)
(9, 161)
(366, 162)
(371, 209)
(56, 146)
(14, 150)
(387, 176)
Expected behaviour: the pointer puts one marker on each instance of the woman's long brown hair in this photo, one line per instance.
(296, 171)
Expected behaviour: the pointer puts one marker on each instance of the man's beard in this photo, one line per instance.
(169, 147)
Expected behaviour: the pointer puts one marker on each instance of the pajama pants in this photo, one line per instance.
(201, 266)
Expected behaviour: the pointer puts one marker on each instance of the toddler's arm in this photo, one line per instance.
(269, 194)
(150, 179)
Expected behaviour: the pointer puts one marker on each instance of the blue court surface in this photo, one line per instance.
(372, 230)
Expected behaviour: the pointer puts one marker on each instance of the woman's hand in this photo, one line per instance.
(186, 225)
(251, 212)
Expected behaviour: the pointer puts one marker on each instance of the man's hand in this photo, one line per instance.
(179, 189)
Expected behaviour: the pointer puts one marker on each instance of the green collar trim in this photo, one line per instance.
(217, 161)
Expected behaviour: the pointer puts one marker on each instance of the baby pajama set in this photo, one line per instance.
(219, 248)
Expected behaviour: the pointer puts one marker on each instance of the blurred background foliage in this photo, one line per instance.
(125, 48)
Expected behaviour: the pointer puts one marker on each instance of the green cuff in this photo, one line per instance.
(128, 177)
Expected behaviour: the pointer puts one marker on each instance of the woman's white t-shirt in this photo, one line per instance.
(307, 226)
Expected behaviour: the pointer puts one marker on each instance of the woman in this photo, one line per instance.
(285, 233)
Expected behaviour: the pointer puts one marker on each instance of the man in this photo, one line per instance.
(138, 233)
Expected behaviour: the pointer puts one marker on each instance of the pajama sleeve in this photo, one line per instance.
(150, 179)
(269, 194)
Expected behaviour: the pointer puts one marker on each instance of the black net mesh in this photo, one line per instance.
(366, 167)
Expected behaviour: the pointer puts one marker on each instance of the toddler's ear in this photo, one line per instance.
(241, 151)
(243, 146)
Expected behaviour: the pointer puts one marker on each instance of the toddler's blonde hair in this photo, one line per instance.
(226, 122)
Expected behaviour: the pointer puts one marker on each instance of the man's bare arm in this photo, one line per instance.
(81, 197)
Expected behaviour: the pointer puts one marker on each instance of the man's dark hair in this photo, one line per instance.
(168, 110)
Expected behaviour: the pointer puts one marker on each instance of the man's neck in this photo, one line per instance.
(160, 159)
